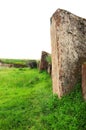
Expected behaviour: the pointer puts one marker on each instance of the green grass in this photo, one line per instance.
(16, 61)
(22, 92)
(27, 103)
(69, 113)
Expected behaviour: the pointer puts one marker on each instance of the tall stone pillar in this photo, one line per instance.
(68, 41)
(84, 81)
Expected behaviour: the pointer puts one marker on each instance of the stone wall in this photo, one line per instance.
(2, 64)
(68, 41)
(5, 65)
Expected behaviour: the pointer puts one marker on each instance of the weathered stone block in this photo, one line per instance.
(43, 65)
(32, 64)
(84, 81)
(68, 41)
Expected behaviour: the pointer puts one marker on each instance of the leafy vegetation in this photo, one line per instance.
(27, 103)
(69, 113)
(48, 59)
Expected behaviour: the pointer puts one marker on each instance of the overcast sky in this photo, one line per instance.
(25, 25)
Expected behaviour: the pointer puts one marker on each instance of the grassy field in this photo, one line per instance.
(27, 103)
(16, 61)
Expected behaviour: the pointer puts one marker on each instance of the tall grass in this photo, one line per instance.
(27, 103)
(68, 113)
(22, 91)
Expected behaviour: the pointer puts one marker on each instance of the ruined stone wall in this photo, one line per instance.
(68, 41)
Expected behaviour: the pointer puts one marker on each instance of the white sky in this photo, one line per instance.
(25, 25)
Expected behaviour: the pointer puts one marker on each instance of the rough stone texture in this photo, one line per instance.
(68, 41)
(44, 64)
(19, 65)
(84, 81)
(6, 65)
(32, 64)
(2, 64)
(49, 69)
